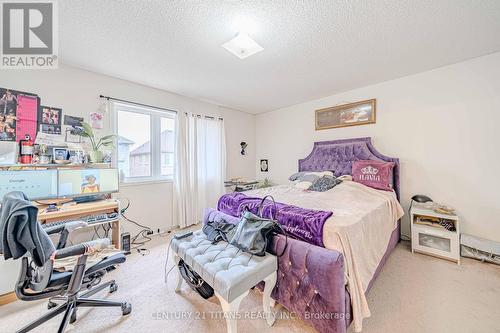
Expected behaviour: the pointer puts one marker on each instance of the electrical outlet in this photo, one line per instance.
(161, 231)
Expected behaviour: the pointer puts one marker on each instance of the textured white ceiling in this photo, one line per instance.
(312, 48)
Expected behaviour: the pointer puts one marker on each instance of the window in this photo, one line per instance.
(145, 143)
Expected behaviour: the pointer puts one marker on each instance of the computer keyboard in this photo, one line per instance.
(90, 219)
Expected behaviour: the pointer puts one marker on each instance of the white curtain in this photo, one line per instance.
(200, 167)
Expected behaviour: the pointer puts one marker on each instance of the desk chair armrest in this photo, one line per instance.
(82, 249)
(64, 230)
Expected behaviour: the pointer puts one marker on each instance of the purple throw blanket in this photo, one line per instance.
(301, 223)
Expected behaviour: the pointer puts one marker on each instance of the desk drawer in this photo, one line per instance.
(437, 242)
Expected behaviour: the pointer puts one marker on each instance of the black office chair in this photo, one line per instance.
(73, 287)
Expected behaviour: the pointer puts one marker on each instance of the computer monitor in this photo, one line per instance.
(36, 184)
(86, 182)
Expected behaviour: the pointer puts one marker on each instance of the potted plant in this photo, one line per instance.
(96, 156)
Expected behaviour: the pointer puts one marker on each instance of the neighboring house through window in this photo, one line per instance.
(145, 144)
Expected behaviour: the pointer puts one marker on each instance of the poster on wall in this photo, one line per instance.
(72, 126)
(72, 120)
(27, 110)
(49, 119)
(18, 114)
(96, 120)
(264, 165)
(352, 114)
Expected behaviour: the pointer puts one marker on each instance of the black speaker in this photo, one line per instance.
(126, 242)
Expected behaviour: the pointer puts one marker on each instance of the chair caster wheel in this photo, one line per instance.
(113, 287)
(51, 305)
(126, 308)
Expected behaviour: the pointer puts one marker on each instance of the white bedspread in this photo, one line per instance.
(360, 228)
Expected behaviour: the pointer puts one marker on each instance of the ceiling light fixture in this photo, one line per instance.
(242, 46)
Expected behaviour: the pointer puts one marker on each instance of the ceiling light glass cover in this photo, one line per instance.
(242, 46)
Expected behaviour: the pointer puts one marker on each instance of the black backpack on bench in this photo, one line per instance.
(219, 231)
(215, 231)
(195, 281)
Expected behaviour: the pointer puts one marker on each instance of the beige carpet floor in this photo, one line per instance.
(414, 293)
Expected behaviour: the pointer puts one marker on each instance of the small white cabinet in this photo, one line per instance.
(428, 236)
(9, 270)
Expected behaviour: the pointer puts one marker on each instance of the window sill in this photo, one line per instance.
(146, 182)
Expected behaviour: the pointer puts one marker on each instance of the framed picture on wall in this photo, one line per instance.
(50, 119)
(264, 165)
(59, 154)
(352, 114)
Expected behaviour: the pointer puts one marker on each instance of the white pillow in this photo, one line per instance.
(302, 185)
(345, 178)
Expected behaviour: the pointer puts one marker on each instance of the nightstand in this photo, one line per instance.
(435, 234)
(241, 186)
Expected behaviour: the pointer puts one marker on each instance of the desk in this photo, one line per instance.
(67, 211)
(72, 211)
(241, 186)
(14, 167)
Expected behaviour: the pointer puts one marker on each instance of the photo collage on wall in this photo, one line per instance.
(50, 119)
(21, 114)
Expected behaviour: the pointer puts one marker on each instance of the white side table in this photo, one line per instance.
(435, 240)
(9, 271)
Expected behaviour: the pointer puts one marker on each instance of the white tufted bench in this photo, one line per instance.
(231, 272)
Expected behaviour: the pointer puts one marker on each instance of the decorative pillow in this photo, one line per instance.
(376, 174)
(303, 180)
(303, 185)
(345, 178)
(300, 175)
(325, 183)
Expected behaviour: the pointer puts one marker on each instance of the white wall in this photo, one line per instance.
(443, 124)
(76, 91)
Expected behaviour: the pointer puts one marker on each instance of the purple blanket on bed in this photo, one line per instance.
(301, 223)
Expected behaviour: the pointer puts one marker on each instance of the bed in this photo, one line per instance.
(326, 286)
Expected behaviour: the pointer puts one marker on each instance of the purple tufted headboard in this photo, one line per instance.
(338, 155)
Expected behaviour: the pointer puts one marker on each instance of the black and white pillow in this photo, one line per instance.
(305, 179)
(325, 183)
